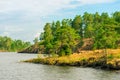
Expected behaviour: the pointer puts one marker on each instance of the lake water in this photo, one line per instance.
(12, 69)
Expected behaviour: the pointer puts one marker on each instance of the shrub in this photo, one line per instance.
(110, 56)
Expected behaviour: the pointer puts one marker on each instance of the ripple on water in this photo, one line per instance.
(11, 69)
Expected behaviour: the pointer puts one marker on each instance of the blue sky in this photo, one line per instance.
(23, 19)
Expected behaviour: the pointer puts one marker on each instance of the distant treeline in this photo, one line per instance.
(8, 44)
(64, 37)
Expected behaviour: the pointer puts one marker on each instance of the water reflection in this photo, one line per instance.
(11, 69)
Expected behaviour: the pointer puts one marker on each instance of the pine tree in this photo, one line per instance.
(48, 38)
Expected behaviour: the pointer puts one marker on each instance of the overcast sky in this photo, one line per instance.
(23, 19)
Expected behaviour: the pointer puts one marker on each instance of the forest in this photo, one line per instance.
(8, 44)
(66, 36)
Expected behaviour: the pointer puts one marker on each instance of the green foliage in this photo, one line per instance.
(48, 33)
(48, 38)
(64, 37)
(60, 39)
(110, 56)
(116, 16)
(7, 44)
(35, 40)
(77, 23)
(41, 36)
(89, 31)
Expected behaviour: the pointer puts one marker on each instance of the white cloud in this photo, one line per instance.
(42, 7)
(5, 34)
(94, 1)
(23, 15)
(13, 29)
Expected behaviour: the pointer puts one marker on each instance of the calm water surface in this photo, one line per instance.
(12, 69)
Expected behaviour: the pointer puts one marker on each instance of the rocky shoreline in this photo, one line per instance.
(95, 59)
(32, 49)
(97, 64)
(3, 51)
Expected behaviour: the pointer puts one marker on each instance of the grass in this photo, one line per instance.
(85, 58)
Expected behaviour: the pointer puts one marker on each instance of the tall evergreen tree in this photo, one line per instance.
(77, 25)
(48, 38)
(66, 39)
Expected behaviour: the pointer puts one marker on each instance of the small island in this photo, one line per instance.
(91, 40)
(59, 39)
(95, 59)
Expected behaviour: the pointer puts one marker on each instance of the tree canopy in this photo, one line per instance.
(62, 37)
(7, 44)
